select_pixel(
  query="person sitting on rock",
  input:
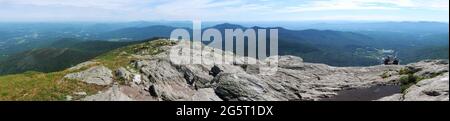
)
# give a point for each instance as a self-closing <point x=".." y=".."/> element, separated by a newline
<point x="386" y="61"/>
<point x="396" y="62"/>
<point x="390" y="60"/>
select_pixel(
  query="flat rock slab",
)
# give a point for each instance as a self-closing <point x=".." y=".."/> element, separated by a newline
<point x="112" y="94"/>
<point x="99" y="75"/>
<point x="81" y="65"/>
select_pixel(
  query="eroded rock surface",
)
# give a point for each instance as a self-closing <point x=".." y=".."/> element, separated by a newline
<point x="165" y="77"/>
<point x="99" y="75"/>
<point x="112" y="94"/>
<point x="434" y="87"/>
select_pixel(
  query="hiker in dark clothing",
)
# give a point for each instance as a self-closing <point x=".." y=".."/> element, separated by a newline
<point x="386" y="61"/>
<point x="389" y="60"/>
<point x="396" y="62"/>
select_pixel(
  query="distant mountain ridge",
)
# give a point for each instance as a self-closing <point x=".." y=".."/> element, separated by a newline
<point x="56" y="56"/>
<point x="138" y="33"/>
<point x="337" y="48"/>
<point x="416" y="27"/>
<point x="320" y="46"/>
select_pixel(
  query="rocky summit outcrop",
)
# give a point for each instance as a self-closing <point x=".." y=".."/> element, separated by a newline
<point x="428" y="68"/>
<point x="433" y="87"/>
<point x="161" y="77"/>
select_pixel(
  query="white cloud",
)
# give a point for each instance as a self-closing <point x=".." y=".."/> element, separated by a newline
<point x="228" y="10"/>
<point x="75" y="10"/>
<point x="103" y="4"/>
<point x="329" y="5"/>
<point x="334" y="5"/>
<point x="436" y="4"/>
<point x="194" y="9"/>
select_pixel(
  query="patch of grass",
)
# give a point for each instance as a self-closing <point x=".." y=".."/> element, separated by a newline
<point x="405" y="71"/>
<point x="121" y="81"/>
<point x="435" y="75"/>
<point x="408" y="81"/>
<point x="36" y="86"/>
<point x="385" y="75"/>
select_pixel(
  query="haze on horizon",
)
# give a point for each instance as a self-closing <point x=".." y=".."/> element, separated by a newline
<point x="223" y="10"/>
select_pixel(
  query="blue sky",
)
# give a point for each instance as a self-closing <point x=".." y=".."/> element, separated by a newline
<point x="224" y="10"/>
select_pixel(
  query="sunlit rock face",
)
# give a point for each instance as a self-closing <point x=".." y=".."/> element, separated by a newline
<point x="162" y="77"/>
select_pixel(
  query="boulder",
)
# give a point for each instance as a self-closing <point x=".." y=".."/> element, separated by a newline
<point x="166" y="81"/>
<point x="137" y="79"/>
<point x="124" y="74"/>
<point x="239" y="87"/>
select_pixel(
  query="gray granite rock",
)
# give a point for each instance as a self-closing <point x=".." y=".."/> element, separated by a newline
<point x="99" y="75"/>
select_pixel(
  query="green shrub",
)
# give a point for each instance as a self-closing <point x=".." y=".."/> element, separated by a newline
<point x="408" y="81"/>
<point x="385" y="75"/>
<point x="405" y="71"/>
